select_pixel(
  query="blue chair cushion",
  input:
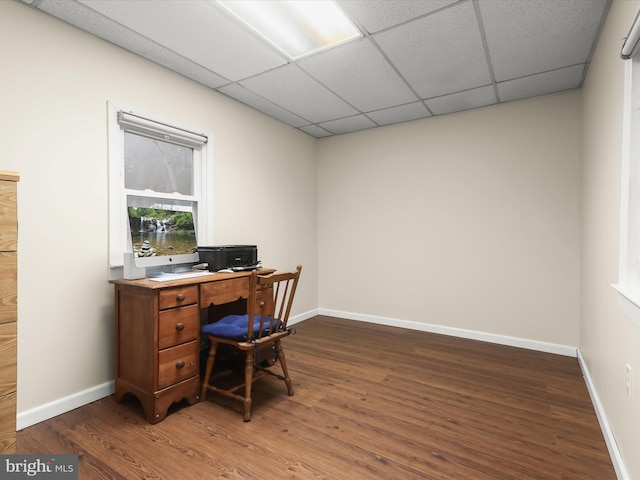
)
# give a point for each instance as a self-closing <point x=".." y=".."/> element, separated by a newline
<point x="234" y="327"/>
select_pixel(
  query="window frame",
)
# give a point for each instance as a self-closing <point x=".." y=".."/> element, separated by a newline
<point x="154" y="127"/>
<point x="628" y="285"/>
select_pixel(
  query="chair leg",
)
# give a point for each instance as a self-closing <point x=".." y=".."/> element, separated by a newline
<point x="248" y="381"/>
<point x="207" y="373"/>
<point x="283" y="364"/>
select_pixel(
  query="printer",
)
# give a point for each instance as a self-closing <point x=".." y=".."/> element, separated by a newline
<point x="234" y="257"/>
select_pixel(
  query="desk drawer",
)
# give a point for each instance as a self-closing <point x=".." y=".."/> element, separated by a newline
<point x="8" y="423"/>
<point x="8" y="286"/>
<point x="178" y="325"/>
<point x="177" y="297"/>
<point x="177" y="363"/>
<point x="227" y="291"/>
<point x="8" y="356"/>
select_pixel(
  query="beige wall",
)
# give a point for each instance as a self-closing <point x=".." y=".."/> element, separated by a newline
<point x="54" y="88"/>
<point x="469" y="221"/>
<point x="608" y="339"/>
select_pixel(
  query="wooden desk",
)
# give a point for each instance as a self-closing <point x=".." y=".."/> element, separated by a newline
<point x="157" y="342"/>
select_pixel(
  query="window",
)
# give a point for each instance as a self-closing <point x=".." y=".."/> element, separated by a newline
<point x="150" y="161"/>
<point x="629" y="263"/>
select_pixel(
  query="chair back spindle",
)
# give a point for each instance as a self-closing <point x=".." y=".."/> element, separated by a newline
<point x="270" y="300"/>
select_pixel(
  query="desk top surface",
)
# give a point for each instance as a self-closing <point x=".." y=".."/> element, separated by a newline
<point x="211" y="277"/>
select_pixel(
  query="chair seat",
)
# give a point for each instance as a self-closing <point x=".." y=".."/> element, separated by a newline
<point x="234" y="327"/>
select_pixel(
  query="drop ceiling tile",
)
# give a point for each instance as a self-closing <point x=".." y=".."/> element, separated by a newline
<point x="531" y="36"/>
<point x="436" y="46"/>
<point x="247" y="97"/>
<point x="315" y="131"/>
<point x="359" y="74"/>
<point x="89" y="20"/>
<point x="376" y="15"/>
<point x="226" y="49"/>
<point x="439" y="54"/>
<point x="349" y="124"/>
<point x="181" y="65"/>
<point x="295" y="91"/>
<point x="541" y="84"/>
<point x="457" y="102"/>
<point x="401" y="113"/>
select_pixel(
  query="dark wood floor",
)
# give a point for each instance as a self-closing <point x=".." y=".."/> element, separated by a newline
<point x="371" y="402"/>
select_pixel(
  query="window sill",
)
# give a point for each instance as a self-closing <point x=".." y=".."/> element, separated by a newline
<point x="629" y="302"/>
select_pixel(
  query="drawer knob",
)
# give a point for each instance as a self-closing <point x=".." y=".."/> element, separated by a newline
<point x="180" y="364"/>
<point x="180" y="326"/>
<point x="180" y="297"/>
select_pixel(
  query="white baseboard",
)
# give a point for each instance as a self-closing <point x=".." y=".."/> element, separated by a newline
<point x="565" y="350"/>
<point x="63" y="405"/>
<point x="609" y="438"/>
<point x="303" y="316"/>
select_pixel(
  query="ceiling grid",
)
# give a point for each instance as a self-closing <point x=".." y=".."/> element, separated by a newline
<point x="416" y="58"/>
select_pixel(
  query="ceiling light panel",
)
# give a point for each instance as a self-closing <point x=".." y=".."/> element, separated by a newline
<point x="296" y="27"/>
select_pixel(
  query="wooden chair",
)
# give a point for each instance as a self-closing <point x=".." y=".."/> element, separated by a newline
<point x="257" y="334"/>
